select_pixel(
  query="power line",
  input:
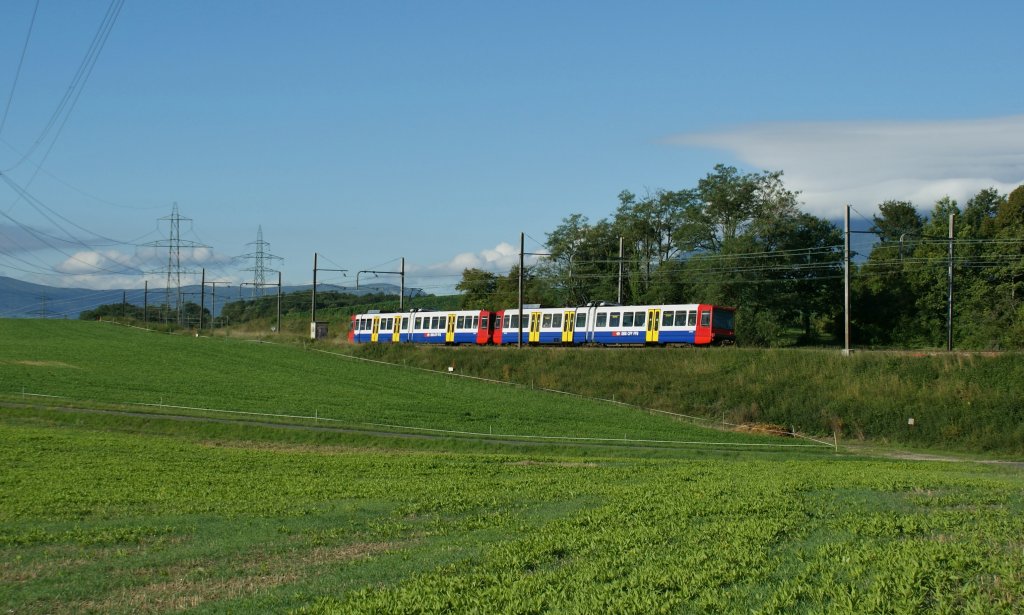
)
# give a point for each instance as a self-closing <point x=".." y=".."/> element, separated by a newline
<point x="21" y="62"/>
<point x="74" y="91"/>
<point x="46" y="211"/>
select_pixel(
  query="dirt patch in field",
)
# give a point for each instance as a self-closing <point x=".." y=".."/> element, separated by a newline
<point x="766" y="429"/>
<point x="190" y="585"/>
<point x="560" y="464"/>
<point x="285" y="447"/>
<point x="44" y="364"/>
<point x="277" y="447"/>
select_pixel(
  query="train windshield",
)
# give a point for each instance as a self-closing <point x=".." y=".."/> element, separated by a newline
<point x="723" y="319"/>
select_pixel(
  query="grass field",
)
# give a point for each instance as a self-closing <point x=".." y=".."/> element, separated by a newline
<point x="131" y="513"/>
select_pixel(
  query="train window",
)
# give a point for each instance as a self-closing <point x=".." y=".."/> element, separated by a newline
<point x="461" y="322"/>
<point x="405" y="323"/>
<point x="547" y="321"/>
<point x="504" y="321"/>
<point x="581" y="321"/>
<point x="483" y="322"/>
<point x="419" y="323"/>
<point x="681" y="318"/>
<point x="433" y="322"/>
<point x="515" y="321"/>
<point x="602" y="319"/>
<point x="641" y="318"/>
<point x="705" y="319"/>
<point x="627" y="319"/>
<point x="722" y="319"/>
<point x="667" y="318"/>
<point x="692" y="320"/>
<point x="556" y="321"/>
<point x="614" y="319"/>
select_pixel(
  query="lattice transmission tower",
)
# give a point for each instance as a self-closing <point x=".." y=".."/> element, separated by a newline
<point x="174" y="243"/>
<point x="260" y="256"/>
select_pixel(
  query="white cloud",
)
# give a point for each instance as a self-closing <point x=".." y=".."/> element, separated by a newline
<point x="866" y="163"/>
<point x="498" y="259"/>
<point x="107" y="269"/>
<point x="441" y="278"/>
<point x="93" y="262"/>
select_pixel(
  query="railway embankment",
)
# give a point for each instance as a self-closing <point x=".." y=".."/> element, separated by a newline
<point x="961" y="402"/>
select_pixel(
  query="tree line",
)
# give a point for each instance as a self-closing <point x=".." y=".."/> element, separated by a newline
<point x="741" y="239"/>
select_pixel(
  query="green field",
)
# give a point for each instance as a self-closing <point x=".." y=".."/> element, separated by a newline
<point x="155" y="511"/>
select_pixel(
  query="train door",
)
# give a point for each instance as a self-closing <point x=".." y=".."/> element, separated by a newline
<point x="702" y="335"/>
<point x="375" y="330"/>
<point x="653" y="324"/>
<point x="449" y="334"/>
<point x="568" y="327"/>
<point x="396" y="332"/>
<point x="535" y="328"/>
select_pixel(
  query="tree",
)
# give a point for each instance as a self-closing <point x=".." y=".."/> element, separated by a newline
<point x="896" y="219"/>
<point x="478" y="288"/>
<point x="583" y="265"/>
<point x="750" y="246"/>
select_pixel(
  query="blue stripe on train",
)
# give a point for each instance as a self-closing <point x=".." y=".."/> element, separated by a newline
<point x="676" y="337"/>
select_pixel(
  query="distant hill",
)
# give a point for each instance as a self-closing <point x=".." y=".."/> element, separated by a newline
<point x="20" y="299"/>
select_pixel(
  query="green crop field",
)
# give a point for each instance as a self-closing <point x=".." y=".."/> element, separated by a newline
<point x="158" y="509"/>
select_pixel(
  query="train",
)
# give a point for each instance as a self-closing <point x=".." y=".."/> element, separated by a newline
<point x="597" y="324"/>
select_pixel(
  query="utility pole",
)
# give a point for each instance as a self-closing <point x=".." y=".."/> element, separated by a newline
<point x="278" y="302"/>
<point x="949" y="298"/>
<point x="213" y="298"/>
<point x="522" y="266"/>
<point x="145" y="302"/>
<point x="522" y="247"/>
<point x="620" y="271"/>
<point x="846" y="279"/>
<point x="312" y="316"/>
<point x="312" y="324"/>
<point x="202" y="298"/>
<point x="401" y="296"/>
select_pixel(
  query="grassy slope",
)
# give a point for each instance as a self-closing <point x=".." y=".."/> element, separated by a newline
<point x="88" y="362"/>
<point x="958" y="402"/>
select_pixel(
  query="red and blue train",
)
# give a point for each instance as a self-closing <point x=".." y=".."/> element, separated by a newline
<point x="695" y="324"/>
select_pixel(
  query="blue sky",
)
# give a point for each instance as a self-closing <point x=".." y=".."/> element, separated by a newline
<point x="439" y="131"/>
